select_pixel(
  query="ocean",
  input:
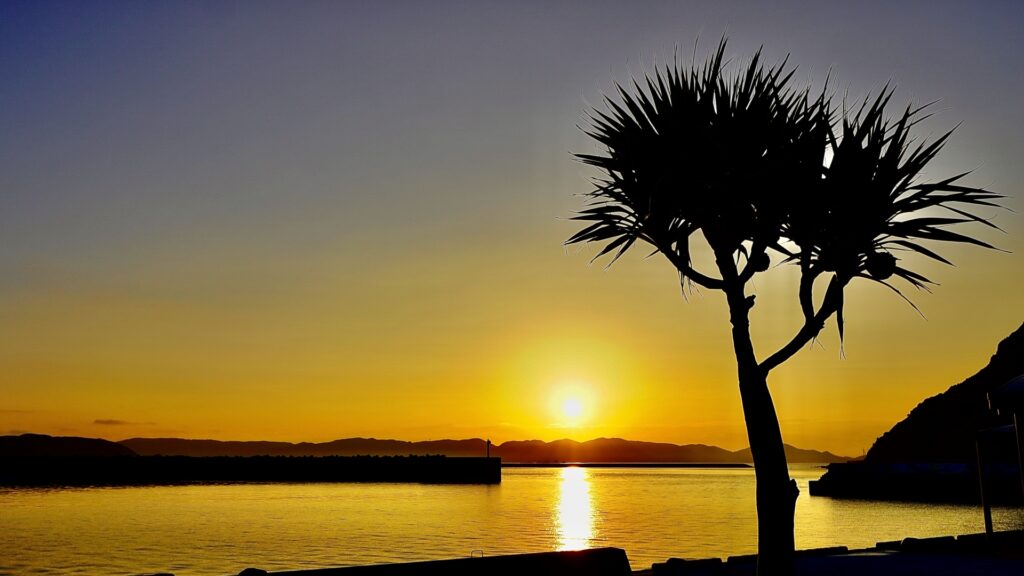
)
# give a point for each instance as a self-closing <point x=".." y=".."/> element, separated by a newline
<point x="220" y="529"/>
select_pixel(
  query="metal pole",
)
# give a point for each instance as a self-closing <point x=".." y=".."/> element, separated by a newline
<point x="985" y="508"/>
<point x="1020" y="449"/>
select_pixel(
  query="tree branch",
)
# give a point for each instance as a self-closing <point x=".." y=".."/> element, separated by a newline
<point x="687" y="271"/>
<point x="806" y="294"/>
<point x="811" y="328"/>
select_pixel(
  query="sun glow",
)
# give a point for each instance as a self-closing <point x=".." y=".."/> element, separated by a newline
<point x="572" y="405"/>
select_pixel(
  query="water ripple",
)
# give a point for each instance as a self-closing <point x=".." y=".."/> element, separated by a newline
<point x="219" y="529"/>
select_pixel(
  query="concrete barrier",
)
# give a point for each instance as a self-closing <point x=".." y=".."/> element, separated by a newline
<point x="593" y="562"/>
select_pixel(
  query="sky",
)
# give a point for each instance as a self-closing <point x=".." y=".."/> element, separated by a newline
<point x="312" y="220"/>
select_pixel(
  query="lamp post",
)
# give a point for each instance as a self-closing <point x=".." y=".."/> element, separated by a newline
<point x="1010" y="398"/>
<point x="1007" y="398"/>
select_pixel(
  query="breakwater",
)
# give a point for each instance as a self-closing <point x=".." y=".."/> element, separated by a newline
<point x="154" y="470"/>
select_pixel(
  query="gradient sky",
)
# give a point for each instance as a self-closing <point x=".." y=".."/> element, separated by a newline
<point x="306" y="221"/>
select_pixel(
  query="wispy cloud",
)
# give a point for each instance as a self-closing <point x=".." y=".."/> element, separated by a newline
<point x="115" y="422"/>
<point x="6" y="411"/>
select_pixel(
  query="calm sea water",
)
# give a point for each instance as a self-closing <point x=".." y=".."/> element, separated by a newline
<point x="220" y="529"/>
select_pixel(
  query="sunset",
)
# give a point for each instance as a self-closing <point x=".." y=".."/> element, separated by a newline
<point x="307" y="222"/>
<point x="329" y="255"/>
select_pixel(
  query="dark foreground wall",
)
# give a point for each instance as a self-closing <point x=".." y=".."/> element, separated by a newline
<point x="138" y="470"/>
<point x="593" y="562"/>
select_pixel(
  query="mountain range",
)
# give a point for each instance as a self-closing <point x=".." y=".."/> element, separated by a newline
<point x="600" y="450"/>
<point x="42" y="446"/>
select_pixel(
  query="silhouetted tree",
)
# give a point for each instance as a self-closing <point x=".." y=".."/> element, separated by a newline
<point x="741" y="159"/>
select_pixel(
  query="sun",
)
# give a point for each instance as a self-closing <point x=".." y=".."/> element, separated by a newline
<point x="572" y="405"/>
<point x="572" y="409"/>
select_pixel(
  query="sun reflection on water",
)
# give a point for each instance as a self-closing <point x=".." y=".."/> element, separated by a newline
<point x="574" y="520"/>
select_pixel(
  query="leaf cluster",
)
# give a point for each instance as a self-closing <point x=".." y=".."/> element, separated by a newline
<point x="742" y="159"/>
<point x="871" y="203"/>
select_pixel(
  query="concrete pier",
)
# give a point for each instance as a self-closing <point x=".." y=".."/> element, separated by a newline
<point x="149" y="470"/>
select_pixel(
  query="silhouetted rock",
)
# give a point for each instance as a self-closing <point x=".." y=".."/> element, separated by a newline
<point x="943" y="427"/>
<point x="930" y="455"/>
<point x="42" y="446"/>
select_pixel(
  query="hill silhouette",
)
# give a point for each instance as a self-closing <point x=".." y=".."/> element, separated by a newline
<point x="600" y="450"/>
<point x="608" y="450"/>
<point x="43" y="446"/>
<point x="343" y="447"/>
<point x="798" y="456"/>
<point x="931" y="454"/>
<point x="942" y="428"/>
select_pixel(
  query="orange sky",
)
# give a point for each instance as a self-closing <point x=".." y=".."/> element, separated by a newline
<point x="414" y="352"/>
<point x="361" y="236"/>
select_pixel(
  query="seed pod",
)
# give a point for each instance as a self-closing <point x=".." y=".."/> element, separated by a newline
<point x="881" y="265"/>
<point x="760" y="262"/>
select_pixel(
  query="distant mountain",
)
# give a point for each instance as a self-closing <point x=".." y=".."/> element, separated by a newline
<point x="609" y="450"/>
<point x="183" y="447"/>
<point x="42" y="446"/>
<point x="798" y="456"/>
<point x="345" y="447"/>
<point x="598" y="450"/>
<point x="943" y="427"/>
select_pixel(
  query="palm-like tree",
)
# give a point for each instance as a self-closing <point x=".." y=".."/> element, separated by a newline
<point x="741" y="159"/>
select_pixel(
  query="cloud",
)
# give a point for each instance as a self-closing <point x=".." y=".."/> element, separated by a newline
<point x="16" y="432"/>
<point x="5" y="411"/>
<point x="114" y="422"/>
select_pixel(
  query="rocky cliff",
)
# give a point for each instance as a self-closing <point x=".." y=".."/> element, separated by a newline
<point x="943" y="428"/>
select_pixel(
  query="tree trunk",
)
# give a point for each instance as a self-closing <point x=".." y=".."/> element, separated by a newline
<point x="776" y="492"/>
